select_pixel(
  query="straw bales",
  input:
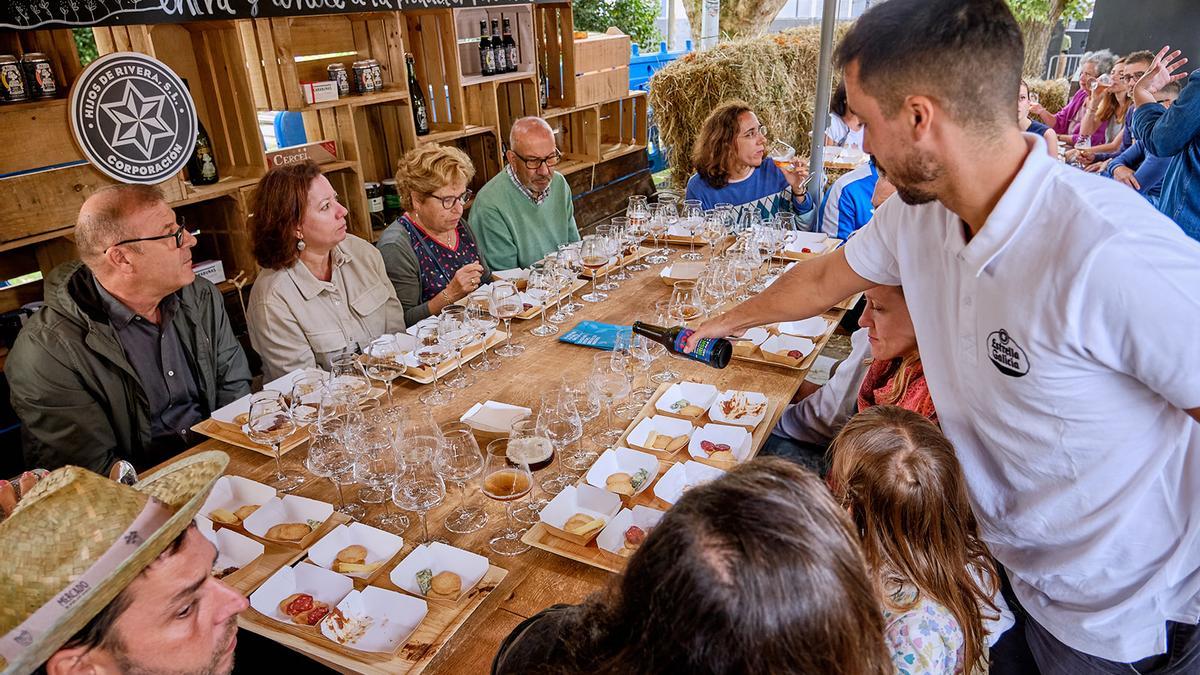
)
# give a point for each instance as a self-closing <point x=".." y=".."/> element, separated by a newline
<point x="776" y="74"/>
<point x="1052" y="94"/>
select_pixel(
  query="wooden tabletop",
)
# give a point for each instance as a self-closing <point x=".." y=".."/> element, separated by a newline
<point x="536" y="579"/>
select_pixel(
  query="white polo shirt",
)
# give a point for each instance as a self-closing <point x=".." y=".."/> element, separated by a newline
<point x="1062" y="346"/>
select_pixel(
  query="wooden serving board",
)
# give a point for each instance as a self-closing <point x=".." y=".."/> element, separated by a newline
<point x="642" y="252"/>
<point x="424" y="375"/>
<point x="231" y="434"/>
<point x="439" y="625"/>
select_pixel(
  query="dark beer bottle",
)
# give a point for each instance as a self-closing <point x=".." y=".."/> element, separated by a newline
<point x="715" y="352"/>
<point x="487" y="58"/>
<point x="417" y="98"/>
<point x="510" y="48"/>
<point x="499" y="52"/>
<point x="201" y="168"/>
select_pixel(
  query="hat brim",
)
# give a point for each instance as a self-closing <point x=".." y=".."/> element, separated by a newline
<point x="182" y="486"/>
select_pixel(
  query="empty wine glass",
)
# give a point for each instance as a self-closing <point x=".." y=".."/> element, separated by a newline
<point x="713" y="231"/>
<point x="559" y="421"/>
<point x="506" y="303"/>
<point x="568" y="256"/>
<point x="611" y="245"/>
<point x="384" y="361"/>
<point x="506" y="479"/>
<point x="270" y="423"/>
<point x="419" y="487"/>
<point x="306" y="396"/>
<point x="479" y="309"/>
<point x="610" y="387"/>
<point x="431" y="352"/>
<point x="329" y="457"/>
<point x="543" y="285"/>
<point x="657" y="226"/>
<point x="456" y="332"/>
<point x="347" y="369"/>
<point x="377" y="468"/>
<point x="461" y="463"/>
<point x="618" y="232"/>
<point x="593" y="254"/>
<point x="635" y="235"/>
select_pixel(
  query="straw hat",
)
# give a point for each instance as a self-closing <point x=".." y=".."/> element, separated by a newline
<point x="77" y="540"/>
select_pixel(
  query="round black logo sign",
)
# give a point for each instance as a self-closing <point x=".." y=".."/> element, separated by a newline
<point x="1008" y="356"/>
<point x="133" y="118"/>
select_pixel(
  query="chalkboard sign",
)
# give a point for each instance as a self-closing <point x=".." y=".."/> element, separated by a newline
<point x="75" y="13"/>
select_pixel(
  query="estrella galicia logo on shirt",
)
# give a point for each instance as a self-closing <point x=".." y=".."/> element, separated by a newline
<point x="133" y="118"/>
<point x="1006" y="354"/>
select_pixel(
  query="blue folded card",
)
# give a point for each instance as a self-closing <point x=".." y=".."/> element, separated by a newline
<point x="595" y="334"/>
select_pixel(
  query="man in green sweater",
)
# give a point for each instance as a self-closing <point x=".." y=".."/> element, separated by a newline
<point x="525" y="211"/>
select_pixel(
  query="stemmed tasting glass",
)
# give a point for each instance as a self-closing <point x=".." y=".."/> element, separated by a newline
<point x="593" y="254"/>
<point x="639" y="349"/>
<point x="568" y="257"/>
<point x="535" y="450"/>
<point x="638" y="213"/>
<point x="507" y="303"/>
<point x="782" y="154"/>
<point x="657" y="227"/>
<point x="329" y="457"/>
<point x="479" y="309"/>
<point x="270" y="423"/>
<point x="611" y="245"/>
<point x="431" y="352"/>
<point x="713" y="231"/>
<point x="623" y="361"/>
<point x="564" y="277"/>
<point x="610" y="387"/>
<point x="656" y="353"/>
<point x="742" y="267"/>
<point x="348" y="369"/>
<point x="543" y="285"/>
<point x="668" y="206"/>
<point x="559" y="421"/>
<point x="384" y="361"/>
<point x="456" y="332"/>
<point x="419" y="487"/>
<point x="306" y="396"/>
<point x="377" y="467"/>
<point x="582" y="401"/>
<point x="619" y="234"/>
<point x="684" y="303"/>
<point x="506" y="479"/>
<point x="635" y="234"/>
<point x="462" y="462"/>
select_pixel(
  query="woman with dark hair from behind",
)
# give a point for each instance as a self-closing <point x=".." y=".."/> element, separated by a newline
<point x="755" y="572"/>
<point x="900" y="480"/>
<point x="845" y="130"/>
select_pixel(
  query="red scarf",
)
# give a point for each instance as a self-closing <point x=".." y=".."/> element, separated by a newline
<point x="881" y="378"/>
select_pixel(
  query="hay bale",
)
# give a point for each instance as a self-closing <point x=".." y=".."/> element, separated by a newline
<point x="776" y="74"/>
<point x="1052" y="94"/>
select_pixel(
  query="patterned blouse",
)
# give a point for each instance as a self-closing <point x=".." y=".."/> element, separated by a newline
<point x="436" y="261"/>
<point x="925" y="640"/>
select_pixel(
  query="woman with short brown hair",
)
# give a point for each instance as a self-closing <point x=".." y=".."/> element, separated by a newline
<point x="321" y="292"/>
<point x="430" y="252"/>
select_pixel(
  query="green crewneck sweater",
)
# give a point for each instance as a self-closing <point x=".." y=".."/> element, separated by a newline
<point x="512" y="231"/>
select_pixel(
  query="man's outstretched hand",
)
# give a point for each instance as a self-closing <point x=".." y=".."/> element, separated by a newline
<point x="719" y="327"/>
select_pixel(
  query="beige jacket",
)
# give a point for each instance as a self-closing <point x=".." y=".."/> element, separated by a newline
<point x="298" y="321"/>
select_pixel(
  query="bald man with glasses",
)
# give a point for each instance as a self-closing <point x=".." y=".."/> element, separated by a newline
<point x="525" y="211"/>
<point x="131" y="349"/>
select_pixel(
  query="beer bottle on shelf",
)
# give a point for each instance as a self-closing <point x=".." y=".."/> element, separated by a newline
<point x="487" y="58"/>
<point x="543" y="87"/>
<point x="510" y="48"/>
<point x="499" y="52"/>
<point x="201" y="168"/>
<point x="417" y="98"/>
<point x="715" y="352"/>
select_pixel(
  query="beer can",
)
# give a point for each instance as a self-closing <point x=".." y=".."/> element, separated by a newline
<point x="376" y="74"/>
<point x="39" y="77"/>
<point x="337" y="73"/>
<point x="364" y="79"/>
<point x="12" y="80"/>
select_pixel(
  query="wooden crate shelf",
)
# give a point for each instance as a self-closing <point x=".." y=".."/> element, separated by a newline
<point x="466" y="25"/>
<point x="623" y="126"/>
<point x="578" y="135"/>
<point x="430" y="37"/>
<point x="580" y="72"/>
<point x="283" y="52"/>
<point x="497" y="104"/>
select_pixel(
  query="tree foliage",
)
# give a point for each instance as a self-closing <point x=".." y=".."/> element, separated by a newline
<point x="739" y="18"/>
<point x="634" y="17"/>
<point x="85" y="44"/>
<point x="1037" y="19"/>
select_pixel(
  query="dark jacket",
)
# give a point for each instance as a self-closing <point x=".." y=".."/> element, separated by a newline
<point x="77" y="395"/>
<point x="1175" y="133"/>
<point x="400" y="260"/>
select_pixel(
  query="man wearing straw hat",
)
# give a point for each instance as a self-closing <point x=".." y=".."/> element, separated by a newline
<point x="102" y="577"/>
<point x="131" y="349"/>
<point x="1038" y="293"/>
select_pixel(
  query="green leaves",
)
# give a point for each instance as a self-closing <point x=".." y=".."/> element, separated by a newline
<point x="634" y="17"/>
<point x="1049" y="10"/>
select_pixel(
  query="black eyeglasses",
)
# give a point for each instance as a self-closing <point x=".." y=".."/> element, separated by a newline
<point x="535" y="162"/>
<point x="177" y="235"/>
<point x="449" y="202"/>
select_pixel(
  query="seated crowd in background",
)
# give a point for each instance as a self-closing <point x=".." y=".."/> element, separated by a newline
<point x="1066" y="122"/>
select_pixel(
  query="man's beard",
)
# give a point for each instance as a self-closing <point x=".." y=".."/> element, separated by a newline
<point x="129" y="667"/>
<point x="912" y="175"/>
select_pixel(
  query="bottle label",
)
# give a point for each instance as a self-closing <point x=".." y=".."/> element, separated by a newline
<point x="375" y="204"/>
<point x="704" y="348"/>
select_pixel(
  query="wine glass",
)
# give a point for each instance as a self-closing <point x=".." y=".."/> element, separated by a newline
<point x="684" y="302"/>
<point x="610" y="387"/>
<point x="479" y="309"/>
<point x="782" y="154"/>
<point x="306" y="394"/>
<point x="638" y="212"/>
<point x="668" y="206"/>
<point x="639" y="349"/>
<point x="419" y="487"/>
<point x="635" y="234"/>
<point x="564" y="276"/>
<point x="456" y="332"/>
<point x="270" y="423"/>
<point x="543" y="285"/>
<point x="1034" y="99"/>
<point x="329" y="457"/>
<point x="536" y="451"/>
<point x="713" y="231"/>
<point x="377" y="468"/>
<point x="568" y="256"/>
<point x="559" y="421"/>
<point x="663" y="316"/>
<point x="593" y="254"/>
<point x="610" y="247"/>
<point x="462" y="462"/>
<point x="431" y="352"/>
<point x="384" y="361"/>
<point x="348" y="369"/>
<point x="657" y="227"/>
<point x="506" y="479"/>
<point x="692" y="223"/>
<point x="619" y="232"/>
<point x="576" y="394"/>
<point x="506" y="303"/>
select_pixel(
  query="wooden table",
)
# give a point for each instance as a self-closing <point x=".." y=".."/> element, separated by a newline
<point x="536" y="579"/>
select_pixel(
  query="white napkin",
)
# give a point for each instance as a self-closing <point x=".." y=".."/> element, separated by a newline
<point x="494" y="416"/>
<point x="683" y="270"/>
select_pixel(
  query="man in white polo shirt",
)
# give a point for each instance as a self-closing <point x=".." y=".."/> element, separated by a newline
<point x="1057" y="317"/>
